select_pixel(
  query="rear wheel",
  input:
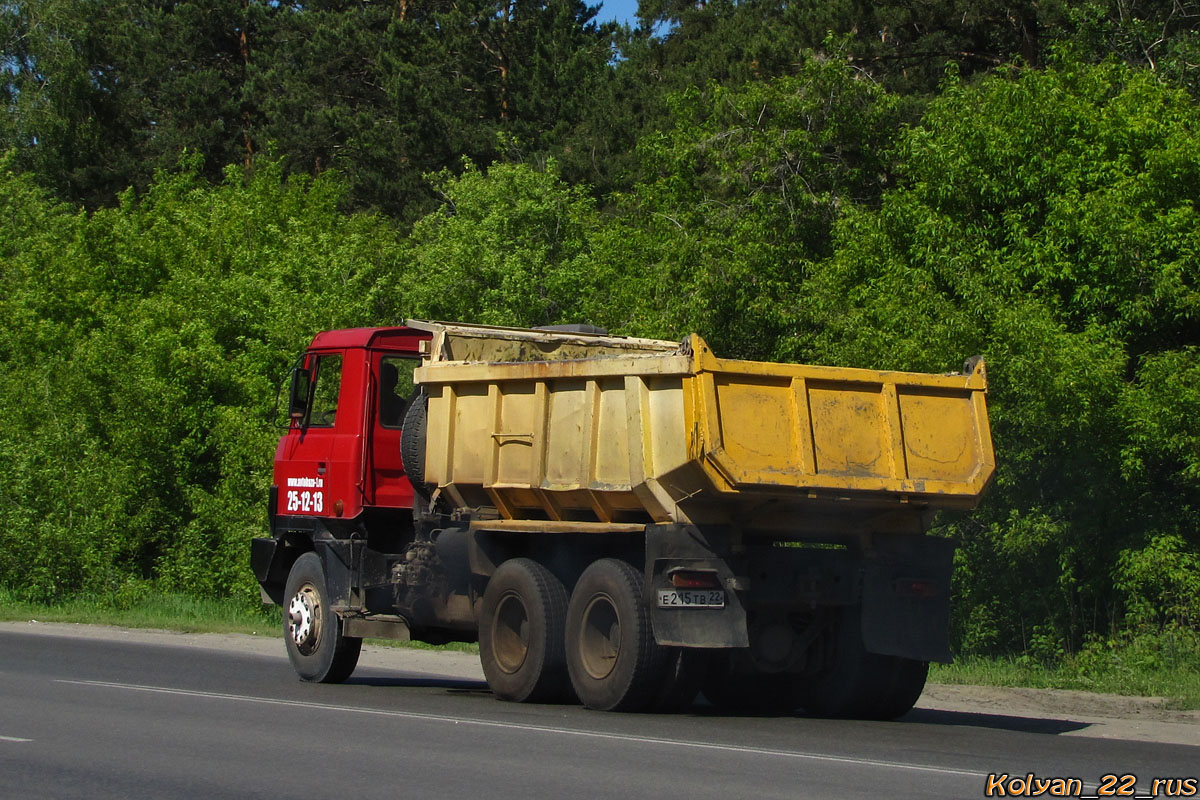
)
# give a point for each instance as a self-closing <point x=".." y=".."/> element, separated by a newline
<point x="613" y="659"/>
<point x="862" y="685"/>
<point x="683" y="677"/>
<point x="313" y="632"/>
<point x="749" y="692"/>
<point x="521" y="633"/>
<point x="905" y="687"/>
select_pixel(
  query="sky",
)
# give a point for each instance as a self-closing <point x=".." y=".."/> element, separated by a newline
<point x="620" y="10"/>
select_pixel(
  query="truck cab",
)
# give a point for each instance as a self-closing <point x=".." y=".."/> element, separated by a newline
<point x="341" y="499"/>
<point x="341" y="454"/>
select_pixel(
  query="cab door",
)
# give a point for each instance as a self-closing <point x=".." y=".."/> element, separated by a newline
<point x="318" y="462"/>
<point x="392" y="375"/>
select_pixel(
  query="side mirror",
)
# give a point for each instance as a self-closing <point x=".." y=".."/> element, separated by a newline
<point x="298" y="394"/>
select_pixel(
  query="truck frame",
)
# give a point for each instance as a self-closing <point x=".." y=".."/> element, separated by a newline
<point x="618" y="521"/>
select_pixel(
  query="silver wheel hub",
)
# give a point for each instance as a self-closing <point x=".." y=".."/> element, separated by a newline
<point x="303" y="619"/>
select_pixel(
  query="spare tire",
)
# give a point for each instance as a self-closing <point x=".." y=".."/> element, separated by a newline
<point x="412" y="442"/>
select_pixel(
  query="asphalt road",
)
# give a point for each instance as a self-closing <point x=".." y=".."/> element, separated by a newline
<point x="95" y="718"/>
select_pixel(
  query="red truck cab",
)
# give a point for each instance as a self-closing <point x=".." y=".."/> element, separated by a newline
<point x="341" y="453"/>
<point x="339" y="482"/>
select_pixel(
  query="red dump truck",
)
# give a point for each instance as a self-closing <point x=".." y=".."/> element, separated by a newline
<point x="623" y="522"/>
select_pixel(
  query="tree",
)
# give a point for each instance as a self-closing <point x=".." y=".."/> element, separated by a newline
<point x="142" y="349"/>
<point x="101" y="95"/>
<point x="512" y="246"/>
<point x="739" y="197"/>
<point x="1047" y="221"/>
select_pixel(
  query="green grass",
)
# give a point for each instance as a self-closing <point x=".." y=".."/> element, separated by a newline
<point x="175" y="612"/>
<point x="172" y="612"/>
<point x="1181" y="689"/>
<point x="1160" y="664"/>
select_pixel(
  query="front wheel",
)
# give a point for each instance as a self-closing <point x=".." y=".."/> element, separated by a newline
<point x="612" y="656"/>
<point x="313" y="633"/>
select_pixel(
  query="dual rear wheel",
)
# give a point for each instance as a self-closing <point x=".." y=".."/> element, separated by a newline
<point x="521" y="643"/>
<point x="535" y="644"/>
<point x="538" y="643"/>
<point x="614" y="662"/>
<point x="852" y="683"/>
<point x="861" y="685"/>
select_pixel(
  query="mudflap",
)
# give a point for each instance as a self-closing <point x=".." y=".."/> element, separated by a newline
<point x="270" y="567"/>
<point x="670" y="546"/>
<point x="339" y="559"/>
<point x="906" y="597"/>
<point x="262" y="559"/>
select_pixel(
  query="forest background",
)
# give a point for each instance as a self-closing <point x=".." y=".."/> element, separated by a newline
<point x="190" y="190"/>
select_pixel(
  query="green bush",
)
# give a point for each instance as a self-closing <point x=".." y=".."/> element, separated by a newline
<point x="136" y="391"/>
<point x="1046" y="219"/>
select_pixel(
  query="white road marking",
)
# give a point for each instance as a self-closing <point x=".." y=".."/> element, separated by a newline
<point x="486" y="723"/>
<point x="14" y="739"/>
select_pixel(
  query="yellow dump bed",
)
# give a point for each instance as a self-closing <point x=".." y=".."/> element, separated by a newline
<point x="594" y="429"/>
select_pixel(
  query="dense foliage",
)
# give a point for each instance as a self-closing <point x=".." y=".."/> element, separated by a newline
<point x="191" y="190"/>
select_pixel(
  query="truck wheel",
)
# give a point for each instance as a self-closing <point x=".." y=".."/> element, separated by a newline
<point x="412" y="442"/>
<point x="613" y="659"/>
<point x="767" y="695"/>
<point x="313" y="633"/>
<point x="683" y="677"/>
<point x="905" y="688"/>
<point x="862" y="685"/>
<point x="849" y="685"/>
<point x="521" y="633"/>
<point x="749" y="693"/>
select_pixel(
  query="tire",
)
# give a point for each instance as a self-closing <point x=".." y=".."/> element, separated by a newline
<point x="907" y="684"/>
<point x="522" y="627"/>
<point x="683" y="676"/>
<point x="412" y="442"/>
<point x="312" y="631"/>
<point x="613" y="659"/>
<point x="754" y="693"/>
<point x="857" y="684"/>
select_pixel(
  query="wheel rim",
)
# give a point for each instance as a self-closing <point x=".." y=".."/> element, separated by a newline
<point x="304" y="619"/>
<point x="600" y="641"/>
<point x="510" y="633"/>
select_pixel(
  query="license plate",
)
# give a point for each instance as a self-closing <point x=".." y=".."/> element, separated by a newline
<point x="691" y="598"/>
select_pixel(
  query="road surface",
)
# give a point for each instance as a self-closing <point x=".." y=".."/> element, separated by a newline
<point x="118" y="714"/>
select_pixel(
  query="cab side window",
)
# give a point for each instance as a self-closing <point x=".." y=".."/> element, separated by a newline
<point x="395" y="387"/>
<point x="327" y="383"/>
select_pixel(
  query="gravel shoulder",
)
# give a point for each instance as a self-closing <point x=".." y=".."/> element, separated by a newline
<point x="1067" y="713"/>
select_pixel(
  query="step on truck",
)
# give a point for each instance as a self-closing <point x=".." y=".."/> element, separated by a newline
<point x="622" y="522"/>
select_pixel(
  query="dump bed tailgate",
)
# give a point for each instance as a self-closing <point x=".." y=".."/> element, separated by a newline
<point x="828" y="429"/>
